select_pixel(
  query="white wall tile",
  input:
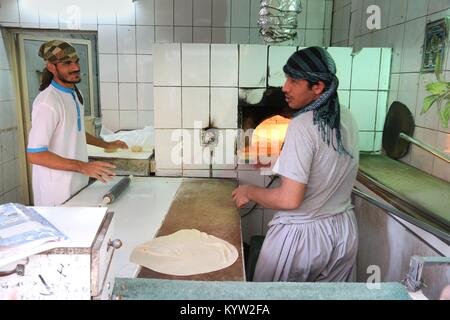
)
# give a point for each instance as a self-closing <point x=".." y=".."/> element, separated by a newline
<point x="202" y="34"/>
<point x="224" y="65"/>
<point x="202" y="13"/>
<point x="437" y="5"/>
<point x="344" y="98"/>
<point x="183" y="35"/>
<point x="195" y="157"/>
<point x="195" y="64"/>
<point x="167" y="107"/>
<point x="397" y="12"/>
<point x="240" y="13"/>
<point x="183" y="12"/>
<point x="196" y="173"/>
<point x="316" y="14"/>
<point x="221" y="13"/>
<point x="126" y="39"/>
<point x="221" y="35"/>
<point x="363" y="106"/>
<point x="225" y="174"/>
<point x="252" y="65"/>
<point x="366" y="69"/>
<point x="240" y="35"/>
<point x="416" y="8"/>
<point x="278" y="56"/>
<point x="224" y="154"/>
<point x="412" y="45"/>
<point x="48" y="15"/>
<point x="127" y="68"/>
<point x="395" y="37"/>
<point x="224" y="103"/>
<point x="106" y="13"/>
<point x="145" y="96"/>
<point x="146" y="118"/>
<point x="255" y="37"/>
<point x="127" y="96"/>
<point x="145" y="12"/>
<point x="128" y="120"/>
<point x="343" y="60"/>
<point x="255" y="6"/>
<point x="167" y="70"/>
<point x="125" y="13"/>
<point x="164" y="12"/>
<point x="110" y="119"/>
<point x="109" y="95"/>
<point x="144" y="68"/>
<point x="107" y="39"/>
<point x="195" y="107"/>
<point x="108" y="67"/>
<point x="163" y="34"/>
<point x="145" y="37"/>
<point x="169" y="173"/>
<point x="29" y="12"/>
<point x="407" y="90"/>
<point x="168" y="149"/>
<point x="314" y="37"/>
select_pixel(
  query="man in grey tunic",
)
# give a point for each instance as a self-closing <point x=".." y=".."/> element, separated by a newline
<point x="313" y="236"/>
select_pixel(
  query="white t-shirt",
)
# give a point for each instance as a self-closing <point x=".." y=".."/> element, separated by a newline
<point x="57" y="126"/>
<point x="329" y="176"/>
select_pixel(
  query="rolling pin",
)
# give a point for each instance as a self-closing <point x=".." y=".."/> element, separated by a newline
<point x="115" y="191"/>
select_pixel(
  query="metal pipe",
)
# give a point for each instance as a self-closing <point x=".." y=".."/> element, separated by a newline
<point x="426" y="147"/>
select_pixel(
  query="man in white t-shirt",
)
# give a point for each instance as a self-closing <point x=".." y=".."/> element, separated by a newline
<point x="57" y="140"/>
<point x="313" y="236"/>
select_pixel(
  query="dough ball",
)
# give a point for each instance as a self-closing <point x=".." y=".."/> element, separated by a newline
<point x="136" y="148"/>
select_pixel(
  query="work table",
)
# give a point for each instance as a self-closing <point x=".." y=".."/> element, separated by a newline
<point x="155" y="206"/>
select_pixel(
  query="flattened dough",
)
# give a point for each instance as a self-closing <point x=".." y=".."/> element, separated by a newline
<point x="184" y="253"/>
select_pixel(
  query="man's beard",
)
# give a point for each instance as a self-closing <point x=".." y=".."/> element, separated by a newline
<point x="63" y="79"/>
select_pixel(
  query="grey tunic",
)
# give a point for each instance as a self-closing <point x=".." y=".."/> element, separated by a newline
<point x="318" y="240"/>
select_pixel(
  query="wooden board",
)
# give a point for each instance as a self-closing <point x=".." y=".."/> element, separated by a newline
<point x="205" y="205"/>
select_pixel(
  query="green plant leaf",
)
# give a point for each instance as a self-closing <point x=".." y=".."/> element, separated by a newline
<point x="438" y="87"/>
<point x="444" y="115"/>
<point x="428" y="102"/>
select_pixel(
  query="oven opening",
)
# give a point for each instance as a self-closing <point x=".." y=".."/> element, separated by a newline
<point x="263" y="119"/>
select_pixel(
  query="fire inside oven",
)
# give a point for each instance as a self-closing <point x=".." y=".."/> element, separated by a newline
<point x="263" y="119"/>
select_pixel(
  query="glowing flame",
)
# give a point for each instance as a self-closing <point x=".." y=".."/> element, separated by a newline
<point x="266" y="141"/>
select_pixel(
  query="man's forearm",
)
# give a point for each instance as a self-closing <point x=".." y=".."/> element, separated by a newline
<point x="269" y="198"/>
<point x="90" y="139"/>
<point x="53" y="161"/>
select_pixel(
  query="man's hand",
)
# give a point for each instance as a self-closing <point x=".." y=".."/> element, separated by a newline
<point x="117" y="144"/>
<point x="98" y="169"/>
<point x="240" y="196"/>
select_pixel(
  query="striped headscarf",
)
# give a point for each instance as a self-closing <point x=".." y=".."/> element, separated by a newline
<point x="315" y="64"/>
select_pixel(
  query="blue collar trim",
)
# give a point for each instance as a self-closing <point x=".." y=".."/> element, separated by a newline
<point x="60" y="87"/>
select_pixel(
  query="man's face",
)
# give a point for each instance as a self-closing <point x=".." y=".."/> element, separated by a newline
<point x="68" y="71"/>
<point x="298" y="94"/>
